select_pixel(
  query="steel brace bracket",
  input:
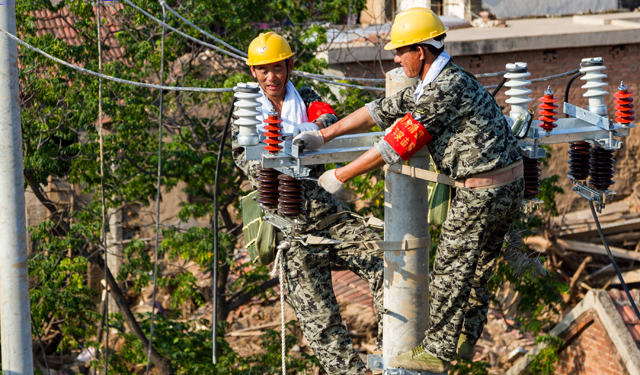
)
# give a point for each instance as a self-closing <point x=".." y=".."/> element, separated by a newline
<point x="379" y="365"/>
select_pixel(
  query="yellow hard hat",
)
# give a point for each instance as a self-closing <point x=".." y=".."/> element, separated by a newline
<point x="268" y="48"/>
<point x="413" y="26"/>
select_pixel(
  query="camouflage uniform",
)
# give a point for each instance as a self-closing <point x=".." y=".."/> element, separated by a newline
<point x="470" y="136"/>
<point x="308" y="268"/>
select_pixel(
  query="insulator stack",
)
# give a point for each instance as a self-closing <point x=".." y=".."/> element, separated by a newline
<point x="531" y="177"/>
<point x="247" y="105"/>
<point x="624" y="111"/>
<point x="518" y="91"/>
<point x="268" y="193"/>
<point x="273" y="133"/>
<point x="592" y="69"/>
<point x="548" y="112"/>
<point x="601" y="168"/>
<point x="579" y="160"/>
<point x="291" y="201"/>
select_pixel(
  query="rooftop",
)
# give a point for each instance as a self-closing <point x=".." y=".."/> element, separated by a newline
<point x="519" y="35"/>
<point x="622" y="304"/>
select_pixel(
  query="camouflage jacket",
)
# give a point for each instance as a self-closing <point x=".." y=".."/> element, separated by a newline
<point x="318" y="202"/>
<point x="470" y="133"/>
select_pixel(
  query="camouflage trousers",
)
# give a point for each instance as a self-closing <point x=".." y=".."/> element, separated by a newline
<point x="310" y="291"/>
<point x="470" y="242"/>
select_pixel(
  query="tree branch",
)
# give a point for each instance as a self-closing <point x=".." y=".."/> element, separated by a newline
<point x="246" y="297"/>
<point x="142" y="170"/>
<point x="163" y="364"/>
<point x="50" y="206"/>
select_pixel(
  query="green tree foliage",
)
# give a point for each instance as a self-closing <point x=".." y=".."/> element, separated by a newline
<point x="60" y="133"/>
<point x="544" y="362"/>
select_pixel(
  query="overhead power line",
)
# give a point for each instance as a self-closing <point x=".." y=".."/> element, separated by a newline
<point x="183" y="34"/>
<point x="241" y="53"/>
<point x="111" y="78"/>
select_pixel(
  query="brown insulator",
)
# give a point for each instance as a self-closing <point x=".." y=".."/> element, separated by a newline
<point x="291" y="201"/>
<point x="268" y="187"/>
<point x="601" y="168"/>
<point x="531" y="177"/>
<point x="579" y="160"/>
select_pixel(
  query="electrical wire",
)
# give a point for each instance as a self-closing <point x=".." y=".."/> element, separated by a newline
<point x="568" y="88"/>
<point x="157" y="237"/>
<point x="487" y="75"/>
<point x="165" y="5"/>
<point x="495" y="91"/>
<point x="214" y="273"/>
<point x="103" y="216"/>
<point x="613" y="261"/>
<point x="324" y="76"/>
<point x="543" y="79"/>
<point x="231" y="54"/>
<point x="349" y="85"/>
<point x="44" y="355"/>
<point x="561" y="75"/>
<point x="111" y="78"/>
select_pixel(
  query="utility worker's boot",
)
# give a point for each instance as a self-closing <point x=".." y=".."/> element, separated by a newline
<point x="466" y="351"/>
<point x="418" y="359"/>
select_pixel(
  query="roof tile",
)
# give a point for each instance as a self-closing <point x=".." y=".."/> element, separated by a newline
<point x="625" y="310"/>
<point x="350" y="287"/>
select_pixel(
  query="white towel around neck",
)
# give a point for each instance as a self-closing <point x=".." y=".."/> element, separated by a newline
<point x="435" y="69"/>
<point x="293" y="113"/>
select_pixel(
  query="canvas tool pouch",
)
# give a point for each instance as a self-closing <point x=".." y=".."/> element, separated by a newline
<point x="440" y="196"/>
<point x="259" y="235"/>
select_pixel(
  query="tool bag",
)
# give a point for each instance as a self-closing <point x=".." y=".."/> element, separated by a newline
<point x="259" y="234"/>
<point x="439" y="199"/>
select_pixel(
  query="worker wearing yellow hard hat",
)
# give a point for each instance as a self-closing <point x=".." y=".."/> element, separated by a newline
<point x="307" y="268"/>
<point x="469" y="140"/>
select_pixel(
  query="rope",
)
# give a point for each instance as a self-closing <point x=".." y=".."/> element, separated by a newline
<point x="165" y="5"/>
<point x="155" y="262"/>
<point x="110" y="78"/>
<point x="103" y="209"/>
<point x="279" y="265"/>
<point x="183" y="34"/>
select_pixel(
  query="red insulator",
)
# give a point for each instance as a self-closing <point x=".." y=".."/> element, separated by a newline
<point x="624" y="113"/>
<point x="601" y="168"/>
<point x="273" y="133"/>
<point x="531" y="177"/>
<point x="579" y="157"/>
<point x="548" y="111"/>
<point x="268" y="187"/>
<point x="291" y="200"/>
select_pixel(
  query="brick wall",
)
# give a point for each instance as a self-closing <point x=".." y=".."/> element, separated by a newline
<point x="589" y="350"/>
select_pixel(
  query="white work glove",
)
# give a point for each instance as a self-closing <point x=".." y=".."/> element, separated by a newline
<point x="329" y="182"/>
<point x="305" y="127"/>
<point x="310" y="141"/>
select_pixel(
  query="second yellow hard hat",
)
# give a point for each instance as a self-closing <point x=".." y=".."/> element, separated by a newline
<point x="413" y="26"/>
<point x="268" y="48"/>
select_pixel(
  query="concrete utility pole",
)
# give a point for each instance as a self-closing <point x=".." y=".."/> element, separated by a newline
<point x="15" y="314"/>
<point x="406" y="272"/>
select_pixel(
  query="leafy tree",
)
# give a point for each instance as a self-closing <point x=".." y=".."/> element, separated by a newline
<point x="61" y="143"/>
